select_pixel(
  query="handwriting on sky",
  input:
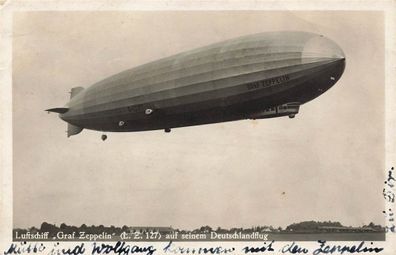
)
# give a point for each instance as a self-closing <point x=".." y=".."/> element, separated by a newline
<point x="389" y="196"/>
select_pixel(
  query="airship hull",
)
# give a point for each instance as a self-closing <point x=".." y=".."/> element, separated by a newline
<point x="232" y="80"/>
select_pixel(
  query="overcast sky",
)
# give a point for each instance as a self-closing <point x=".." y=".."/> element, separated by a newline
<point x="326" y="164"/>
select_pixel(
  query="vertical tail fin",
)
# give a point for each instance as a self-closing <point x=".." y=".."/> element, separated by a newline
<point x="73" y="130"/>
<point x="74" y="91"/>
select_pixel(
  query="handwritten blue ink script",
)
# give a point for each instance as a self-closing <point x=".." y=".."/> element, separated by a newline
<point x="125" y="248"/>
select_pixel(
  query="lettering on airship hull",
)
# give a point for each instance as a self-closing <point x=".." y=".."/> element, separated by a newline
<point x="268" y="83"/>
<point x="136" y="108"/>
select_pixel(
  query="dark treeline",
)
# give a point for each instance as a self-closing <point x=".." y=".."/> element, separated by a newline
<point x="306" y="226"/>
<point x="328" y="226"/>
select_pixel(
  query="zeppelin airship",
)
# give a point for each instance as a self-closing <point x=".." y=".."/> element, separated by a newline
<point x="257" y="76"/>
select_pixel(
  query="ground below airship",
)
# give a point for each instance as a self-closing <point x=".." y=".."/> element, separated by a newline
<point x="256" y="76"/>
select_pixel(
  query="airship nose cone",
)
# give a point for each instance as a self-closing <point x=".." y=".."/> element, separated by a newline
<point x="322" y="47"/>
<point x="326" y="54"/>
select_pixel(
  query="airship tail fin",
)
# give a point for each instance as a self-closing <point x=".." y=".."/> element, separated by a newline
<point x="58" y="110"/>
<point x="73" y="130"/>
<point x="74" y="91"/>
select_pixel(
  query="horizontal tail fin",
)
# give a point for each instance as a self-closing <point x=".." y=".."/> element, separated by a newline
<point x="58" y="110"/>
<point x="73" y="130"/>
